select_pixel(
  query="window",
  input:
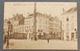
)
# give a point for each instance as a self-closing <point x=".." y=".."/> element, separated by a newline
<point x="27" y="26"/>
<point x="67" y="19"/>
<point x="38" y="30"/>
<point x="40" y="20"/>
<point x="30" y="30"/>
<point x="72" y="35"/>
<point x="40" y="26"/>
<point x="76" y="35"/>
<point x="75" y="29"/>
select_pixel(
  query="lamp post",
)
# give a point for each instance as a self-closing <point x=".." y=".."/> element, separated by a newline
<point x="61" y="30"/>
<point x="9" y="24"/>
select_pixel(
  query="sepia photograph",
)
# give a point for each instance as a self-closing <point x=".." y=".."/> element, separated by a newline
<point x="40" y="25"/>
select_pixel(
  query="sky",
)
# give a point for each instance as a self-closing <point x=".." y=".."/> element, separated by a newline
<point x="53" y="8"/>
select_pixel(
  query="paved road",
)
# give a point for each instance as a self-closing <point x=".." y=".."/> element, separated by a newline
<point x="42" y="44"/>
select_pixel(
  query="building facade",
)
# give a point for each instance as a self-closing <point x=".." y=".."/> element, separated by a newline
<point x="45" y="24"/>
<point x="55" y="27"/>
<point x="69" y="24"/>
<point x="42" y="24"/>
<point x="18" y="23"/>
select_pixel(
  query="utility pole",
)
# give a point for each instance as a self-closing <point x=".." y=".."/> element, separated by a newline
<point x="34" y="24"/>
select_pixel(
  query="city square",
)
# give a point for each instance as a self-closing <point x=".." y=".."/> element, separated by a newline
<point x="43" y="44"/>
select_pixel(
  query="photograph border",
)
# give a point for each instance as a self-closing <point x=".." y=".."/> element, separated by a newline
<point x="2" y="18"/>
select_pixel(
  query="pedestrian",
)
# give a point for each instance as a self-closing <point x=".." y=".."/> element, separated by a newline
<point x="48" y="40"/>
<point x="31" y="38"/>
<point x="5" y="39"/>
<point x="35" y="38"/>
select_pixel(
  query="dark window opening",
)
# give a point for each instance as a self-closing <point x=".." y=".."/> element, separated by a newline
<point x="75" y="29"/>
<point x="67" y="19"/>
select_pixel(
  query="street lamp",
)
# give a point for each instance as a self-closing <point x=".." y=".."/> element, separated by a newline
<point x="9" y="24"/>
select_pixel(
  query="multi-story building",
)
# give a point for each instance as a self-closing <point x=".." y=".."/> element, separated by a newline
<point x="28" y="22"/>
<point x="55" y="27"/>
<point x="18" y="23"/>
<point x="42" y="24"/>
<point x="69" y="24"/>
<point x="45" y="24"/>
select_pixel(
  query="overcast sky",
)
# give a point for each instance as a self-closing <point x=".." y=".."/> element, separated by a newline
<point x="53" y="8"/>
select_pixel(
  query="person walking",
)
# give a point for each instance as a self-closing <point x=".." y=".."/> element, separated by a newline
<point x="48" y="37"/>
<point x="48" y="40"/>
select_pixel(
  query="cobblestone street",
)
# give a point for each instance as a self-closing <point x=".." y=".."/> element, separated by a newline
<point x="42" y="44"/>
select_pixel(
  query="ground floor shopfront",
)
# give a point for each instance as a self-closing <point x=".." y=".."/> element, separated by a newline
<point x="70" y="36"/>
<point x="42" y="35"/>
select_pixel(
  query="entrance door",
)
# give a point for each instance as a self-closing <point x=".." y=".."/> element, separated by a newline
<point x="72" y="36"/>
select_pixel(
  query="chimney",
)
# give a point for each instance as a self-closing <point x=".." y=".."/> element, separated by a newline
<point x="28" y="13"/>
<point x="50" y="15"/>
<point x="63" y="10"/>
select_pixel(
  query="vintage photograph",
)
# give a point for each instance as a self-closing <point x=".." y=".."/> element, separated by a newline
<point x="40" y="25"/>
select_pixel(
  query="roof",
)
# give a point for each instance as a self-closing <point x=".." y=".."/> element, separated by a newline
<point x="18" y="17"/>
<point x="45" y="15"/>
<point x="75" y="9"/>
<point x="38" y="13"/>
<point x="70" y="10"/>
<point x="54" y="19"/>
